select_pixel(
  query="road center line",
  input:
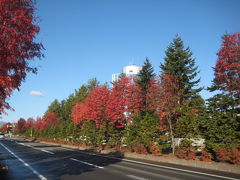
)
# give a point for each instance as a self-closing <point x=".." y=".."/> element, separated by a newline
<point x="26" y="164"/>
<point x="86" y="163"/>
<point x="47" y="151"/>
<point x="136" y="177"/>
<point x="36" y="148"/>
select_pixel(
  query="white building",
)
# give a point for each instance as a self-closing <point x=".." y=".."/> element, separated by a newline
<point x="131" y="70"/>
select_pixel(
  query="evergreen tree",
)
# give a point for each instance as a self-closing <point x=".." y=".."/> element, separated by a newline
<point x="92" y="84"/>
<point x="144" y="78"/>
<point x="55" y="107"/>
<point x="221" y="126"/>
<point x="143" y="130"/>
<point x="179" y="62"/>
<point x="192" y="113"/>
<point x="89" y="133"/>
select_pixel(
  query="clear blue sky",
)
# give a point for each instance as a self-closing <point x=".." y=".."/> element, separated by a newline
<point x="92" y="38"/>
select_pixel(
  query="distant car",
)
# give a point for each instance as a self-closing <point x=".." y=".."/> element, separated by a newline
<point x="2" y="136"/>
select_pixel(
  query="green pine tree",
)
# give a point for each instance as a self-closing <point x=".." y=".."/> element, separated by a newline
<point x="144" y="77"/>
<point x="179" y="62"/>
<point x="55" y="107"/>
<point x="191" y="114"/>
<point x="221" y="126"/>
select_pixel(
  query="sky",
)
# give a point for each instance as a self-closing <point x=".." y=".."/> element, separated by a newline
<point x="84" y="39"/>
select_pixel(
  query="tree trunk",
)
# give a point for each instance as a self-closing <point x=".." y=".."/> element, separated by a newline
<point x="171" y="134"/>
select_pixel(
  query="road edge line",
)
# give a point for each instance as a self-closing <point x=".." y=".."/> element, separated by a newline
<point x="161" y="166"/>
<point x="73" y="159"/>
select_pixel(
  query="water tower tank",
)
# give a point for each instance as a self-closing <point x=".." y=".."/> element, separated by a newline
<point x="132" y="69"/>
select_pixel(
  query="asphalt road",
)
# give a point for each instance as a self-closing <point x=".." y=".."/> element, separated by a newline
<point x="32" y="160"/>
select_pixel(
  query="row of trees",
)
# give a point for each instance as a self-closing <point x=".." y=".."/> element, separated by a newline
<point x="145" y="111"/>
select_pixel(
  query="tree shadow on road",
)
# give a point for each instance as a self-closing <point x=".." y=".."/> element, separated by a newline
<point x="58" y="165"/>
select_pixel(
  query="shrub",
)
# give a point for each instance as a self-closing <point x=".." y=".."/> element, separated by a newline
<point x="185" y="153"/>
<point x="181" y="153"/>
<point x="235" y="156"/>
<point x="205" y="156"/>
<point x="155" y="149"/>
<point x="140" y="148"/>
<point x="222" y="155"/>
<point x="190" y="155"/>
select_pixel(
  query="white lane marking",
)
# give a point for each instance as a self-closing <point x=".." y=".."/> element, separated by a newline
<point x="148" y="173"/>
<point x="183" y="170"/>
<point x="47" y="151"/>
<point x="136" y="177"/>
<point x="165" y="167"/>
<point x="86" y="163"/>
<point x="26" y="164"/>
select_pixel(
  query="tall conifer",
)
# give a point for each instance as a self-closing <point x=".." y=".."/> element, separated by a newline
<point x="179" y="62"/>
<point x="144" y="77"/>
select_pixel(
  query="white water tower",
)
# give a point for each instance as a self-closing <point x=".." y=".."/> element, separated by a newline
<point x="131" y="70"/>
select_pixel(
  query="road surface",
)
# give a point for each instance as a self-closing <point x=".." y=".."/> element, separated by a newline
<point x="32" y="160"/>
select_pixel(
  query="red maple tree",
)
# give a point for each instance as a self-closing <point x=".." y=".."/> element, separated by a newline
<point x="49" y="120"/>
<point x="163" y="97"/>
<point x="5" y="127"/>
<point x="124" y="101"/>
<point x="227" y="70"/>
<point x="30" y="123"/>
<point x="153" y="95"/>
<point x="20" y="126"/>
<point x="96" y="104"/>
<point x="78" y="113"/>
<point x="17" y="46"/>
<point x="39" y="124"/>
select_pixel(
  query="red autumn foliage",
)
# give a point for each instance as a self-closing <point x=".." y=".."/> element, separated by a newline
<point x="162" y="97"/>
<point x="49" y="120"/>
<point x="30" y="122"/>
<point x="46" y="122"/>
<point x="78" y="113"/>
<point x="223" y="155"/>
<point x="140" y="149"/>
<point x="153" y="95"/>
<point x="5" y="127"/>
<point x="17" y="33"/>
<point x="227" y="70"/>
<point x="205" y="156"/>
<point x="96" y="104"/>
<point x="231" y="156"/>
<point x="155" y="149"/>
<point x="185" y="153"/>
<point x="20" y="126"/>
<point x="39" y="124"/>
<point x="134" y="98"/>
<point x="124" y="101"/>
<point x="235" y="156"/>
